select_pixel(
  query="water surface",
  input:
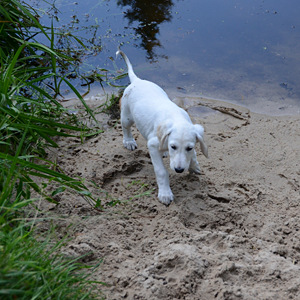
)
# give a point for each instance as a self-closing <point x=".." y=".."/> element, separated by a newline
<point x="245" y="52"/>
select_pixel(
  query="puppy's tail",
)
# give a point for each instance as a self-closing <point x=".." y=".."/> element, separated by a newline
<point x="131" y="74"/>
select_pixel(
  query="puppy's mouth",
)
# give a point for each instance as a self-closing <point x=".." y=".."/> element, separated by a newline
<point x="178" y="170"/>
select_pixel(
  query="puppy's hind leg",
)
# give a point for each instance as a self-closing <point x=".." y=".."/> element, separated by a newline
<point x="127" y="122"/>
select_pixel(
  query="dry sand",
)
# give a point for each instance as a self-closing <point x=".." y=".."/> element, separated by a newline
<point x="232" y="232"/>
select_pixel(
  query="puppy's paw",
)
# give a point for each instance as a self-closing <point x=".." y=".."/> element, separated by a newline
<point x="130" y="144"/>
<point x="196" y="170"/>
<point x="165" y="197"/>
<point x="194" y="167"/>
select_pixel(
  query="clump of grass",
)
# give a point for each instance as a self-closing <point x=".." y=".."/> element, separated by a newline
<point x="30" y="119"/>
<point x="36" y="270"/>
<point x="28" y="109"/>
<point x="112" y="105"/>
<point x="31" y="269"/>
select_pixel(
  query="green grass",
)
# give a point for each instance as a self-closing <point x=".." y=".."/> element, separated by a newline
<point x="37" y="270"/>
<point x="30" y="121"/>
<point x="28" y="109"/>
<point x="31" y="269"/>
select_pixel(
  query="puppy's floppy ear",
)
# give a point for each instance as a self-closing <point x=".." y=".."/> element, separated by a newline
<point x="199" y="136"/>
<point x="163" y="131"/>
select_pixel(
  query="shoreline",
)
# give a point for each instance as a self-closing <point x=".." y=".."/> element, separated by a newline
<point x="269" y="108"/>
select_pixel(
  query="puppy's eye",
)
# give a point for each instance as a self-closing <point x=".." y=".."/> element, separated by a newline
<point x="173" y="147"/>
<point x="189" y="148"/>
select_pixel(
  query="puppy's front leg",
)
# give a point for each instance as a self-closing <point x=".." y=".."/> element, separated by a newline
<point x="165" y="194"/>
<point x="194" y="165"/>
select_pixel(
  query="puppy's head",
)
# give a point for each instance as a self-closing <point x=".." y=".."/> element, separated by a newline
<point x="180" y="140"/>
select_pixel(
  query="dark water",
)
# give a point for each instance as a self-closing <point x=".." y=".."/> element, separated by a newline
<point x="245" y="52"/>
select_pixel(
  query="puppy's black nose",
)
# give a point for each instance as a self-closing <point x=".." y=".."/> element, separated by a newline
<point x="179" y="170"/>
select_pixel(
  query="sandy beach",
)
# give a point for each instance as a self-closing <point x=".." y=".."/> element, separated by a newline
<point x="231" y="232"/>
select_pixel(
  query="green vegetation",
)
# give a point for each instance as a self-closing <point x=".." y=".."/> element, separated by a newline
<point x="30" y="119"/>
<point x="35" y="270"/>
<point x="28" y="111"/>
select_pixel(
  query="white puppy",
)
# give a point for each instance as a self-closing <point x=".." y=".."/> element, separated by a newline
<point x="164" y="125"/>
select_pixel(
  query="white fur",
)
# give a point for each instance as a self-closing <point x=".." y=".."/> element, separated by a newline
<point x="164" y="125"/>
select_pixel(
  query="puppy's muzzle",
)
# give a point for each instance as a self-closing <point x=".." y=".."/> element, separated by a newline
<point x="179" y="170"/>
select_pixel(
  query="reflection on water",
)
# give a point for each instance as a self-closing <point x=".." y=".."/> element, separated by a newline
<point x="147" y="15"/>
<point x="241" y="51"/>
